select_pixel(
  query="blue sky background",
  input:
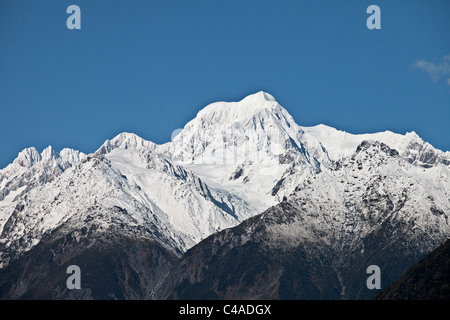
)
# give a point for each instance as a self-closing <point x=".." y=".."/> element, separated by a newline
<point x="149" y="66"/>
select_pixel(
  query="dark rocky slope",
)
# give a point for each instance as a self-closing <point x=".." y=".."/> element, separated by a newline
<point x="429" y="279"/>
<point x="113" y="266"/>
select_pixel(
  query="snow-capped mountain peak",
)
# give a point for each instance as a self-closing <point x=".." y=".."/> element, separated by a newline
<point x="71" y="156"/>
<point x="258" y="97"/>
<point x="244" y="147"/>
<point x="125" y="140"/>
<point x="27" y="157"/>
<point x="256" y="123"/>
<point x="49" y="153"/>
<point x="226" y="114"/>
<point x="31" y="169"/>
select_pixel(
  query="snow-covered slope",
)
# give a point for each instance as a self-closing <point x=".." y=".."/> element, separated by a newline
<point x="192" y="207"/>
<point x="410" y="146"/>
<point x="246" y="148"/>
<point x="362" y="191"/>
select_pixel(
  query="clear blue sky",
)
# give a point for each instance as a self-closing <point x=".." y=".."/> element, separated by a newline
<point x="149" y="66"/>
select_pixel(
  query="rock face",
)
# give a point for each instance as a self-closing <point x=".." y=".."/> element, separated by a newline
<point x="243" y="203"/>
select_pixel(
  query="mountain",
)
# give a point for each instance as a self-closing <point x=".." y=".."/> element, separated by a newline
<point x="246" y="148"/>
<point x="133" y="210"/>
<point x="371" y="208"/>
<point x="429" y="279"/>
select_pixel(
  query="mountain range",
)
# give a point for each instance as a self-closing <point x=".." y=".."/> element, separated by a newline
<point x="243" y="203"/>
